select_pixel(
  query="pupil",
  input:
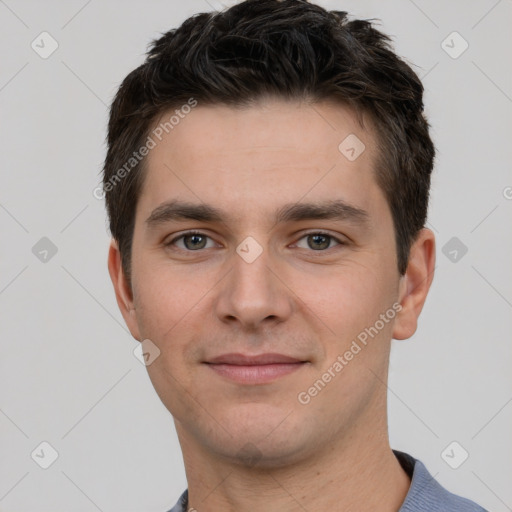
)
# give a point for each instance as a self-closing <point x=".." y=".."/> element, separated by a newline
<point x="319" y="238"/>
<point x="194" y="239"/>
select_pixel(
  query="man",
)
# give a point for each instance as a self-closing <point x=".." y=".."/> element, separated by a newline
<point x="267" y="183"/>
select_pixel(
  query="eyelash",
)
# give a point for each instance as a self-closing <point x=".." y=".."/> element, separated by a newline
<point x="199" y="233"/>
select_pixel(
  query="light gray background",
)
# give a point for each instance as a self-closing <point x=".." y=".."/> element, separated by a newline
<point x="68" y="374"/>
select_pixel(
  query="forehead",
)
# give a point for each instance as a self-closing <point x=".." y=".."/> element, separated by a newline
<point x="274" y="151"/>
<point x="271" y="124"/>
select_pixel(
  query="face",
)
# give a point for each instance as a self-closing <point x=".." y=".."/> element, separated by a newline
<point x="274" y="317"/>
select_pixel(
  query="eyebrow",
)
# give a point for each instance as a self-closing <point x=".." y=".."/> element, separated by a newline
<point x="177" y="210"/>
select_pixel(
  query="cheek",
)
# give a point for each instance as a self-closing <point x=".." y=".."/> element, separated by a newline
<point x="165" y="298"/>
<point x="166" y="303"/>
<point x="347" y="299"/>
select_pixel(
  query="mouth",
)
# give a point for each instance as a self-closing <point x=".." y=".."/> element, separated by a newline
<point x="257" y="369"/>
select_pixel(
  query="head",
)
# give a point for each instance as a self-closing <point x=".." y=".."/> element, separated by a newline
<point x="293" y="141"/>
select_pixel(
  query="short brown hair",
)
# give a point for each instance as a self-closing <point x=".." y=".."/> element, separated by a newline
<point x="289" y="49"/>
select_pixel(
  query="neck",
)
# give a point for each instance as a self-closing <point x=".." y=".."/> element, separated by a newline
<point x="360" y="474"/>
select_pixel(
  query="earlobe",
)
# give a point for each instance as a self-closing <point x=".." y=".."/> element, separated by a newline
<point x="415" y="284"/>
<point x="124" y="294"/>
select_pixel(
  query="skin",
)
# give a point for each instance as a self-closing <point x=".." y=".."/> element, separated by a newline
<point x="256" y="447"/>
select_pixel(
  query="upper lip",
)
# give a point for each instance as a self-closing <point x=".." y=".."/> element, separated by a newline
<point x="253" y="360"/>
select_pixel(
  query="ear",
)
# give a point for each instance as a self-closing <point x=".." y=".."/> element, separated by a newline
<point x="415" y="284"/>
<point x="124" y="294"/>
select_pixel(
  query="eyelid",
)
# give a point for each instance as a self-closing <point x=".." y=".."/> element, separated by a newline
<point x="339" y="240"/>
<point x="187" y="233"/>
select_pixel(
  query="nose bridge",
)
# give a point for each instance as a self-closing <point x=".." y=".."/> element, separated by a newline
<point x="252" y="278"/>
<point x="252" y="292"/>
<point x="251" y="269"/>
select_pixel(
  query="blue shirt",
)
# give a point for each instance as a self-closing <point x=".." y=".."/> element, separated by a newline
<point x="425" y="493"/>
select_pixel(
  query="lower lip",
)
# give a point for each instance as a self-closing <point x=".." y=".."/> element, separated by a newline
<point x="255" y="374"/>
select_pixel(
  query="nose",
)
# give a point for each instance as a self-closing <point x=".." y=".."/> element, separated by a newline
<point x="254" y="293"/>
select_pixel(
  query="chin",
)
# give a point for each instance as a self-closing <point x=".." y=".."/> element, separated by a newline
<point x="270" y="442"/>
<point x="253" y="456"/>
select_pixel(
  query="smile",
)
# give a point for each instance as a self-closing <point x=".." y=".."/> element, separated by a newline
<point x="255" y="374"/>
<point x="260" y="369"/>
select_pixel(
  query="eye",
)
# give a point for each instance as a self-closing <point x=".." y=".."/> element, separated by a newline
<point x="192" y="241"/>
<point x="195" y="240"/>
<point x="320" y="241"/>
